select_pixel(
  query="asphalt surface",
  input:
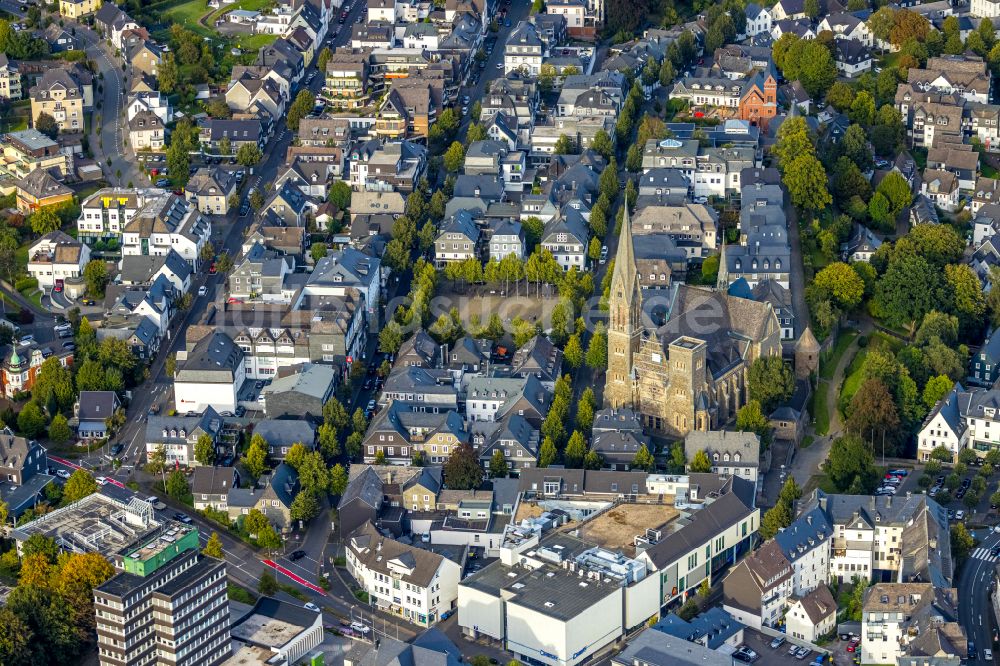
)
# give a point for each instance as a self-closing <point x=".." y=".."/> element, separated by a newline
<point x="975" y="584"/>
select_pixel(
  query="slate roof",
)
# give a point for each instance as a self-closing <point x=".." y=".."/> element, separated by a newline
<point x="285" y="433"/>
<point x="375" y="551"/>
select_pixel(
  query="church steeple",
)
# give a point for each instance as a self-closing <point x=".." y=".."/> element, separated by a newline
<point x="624" y="323"/>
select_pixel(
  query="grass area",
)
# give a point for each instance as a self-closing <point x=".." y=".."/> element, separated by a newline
<point x="34" y="295"/>
<point x="987" y="171"/>
<point x="294" y="591"/>
<point x="881" y="339"/>
<point x="21" y="256"/>
<point x="854" y="376"/>
<point x="253" y="42"/>
<point x="249" y="5"/>
<point x="828" y="364"/>
<point x="187" y="15"/>
<point x="241" y="594"/>
<point x="821" y="481"/>
<point x="820" y="411"/>
<point x="807" y="442"/>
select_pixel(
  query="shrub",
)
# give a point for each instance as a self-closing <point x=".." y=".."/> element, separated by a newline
<point x="862" y="341"/>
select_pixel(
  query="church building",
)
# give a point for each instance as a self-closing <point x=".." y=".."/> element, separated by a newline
<point x="679" y="357"/>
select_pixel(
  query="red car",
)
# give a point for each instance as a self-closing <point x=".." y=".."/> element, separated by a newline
<point x="234" y="301"/>
<point x="853" y="645"/>
<point x="58" y="287"/>
<point x="212" y="269"/>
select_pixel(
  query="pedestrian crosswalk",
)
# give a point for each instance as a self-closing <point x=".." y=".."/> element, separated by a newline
<point x="984" y="554"/>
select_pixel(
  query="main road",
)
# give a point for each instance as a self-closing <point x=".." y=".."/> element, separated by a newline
<point x="975" y="586"/>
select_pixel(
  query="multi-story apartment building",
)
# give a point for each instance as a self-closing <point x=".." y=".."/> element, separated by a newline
<point x="179" y="434"/>
<point x="731" y="453"/>
<point x="166" y="223"/>
<point x="412" y="583"/>
<point x="166" y="605"/>
<point x="77" y="9"/>
<point x="693" y="227"/>
<point x="57" y="256"/>
<point x="19" y="367"/>
<point x="807" y="544"/>
<point x="458" y="239"/>
<point x="347" y="79"/>
<point x="29" y="150"/>
<point x="524" y="50"/>
<point x="61" y="95"/>
<point x="105" y="213"/>
<point x="898" y="538"/>
<point x="23" y="472"/>
<point x="900" y="619"/>
<point x="402" y="429"/>
<point x="10" y="79"/>
<point x="756" y="591"/>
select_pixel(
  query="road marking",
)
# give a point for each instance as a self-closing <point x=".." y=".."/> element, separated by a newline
<point x="298" y="579"/>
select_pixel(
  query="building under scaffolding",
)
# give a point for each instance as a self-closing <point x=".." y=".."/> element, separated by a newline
<point x="95" y="524"/>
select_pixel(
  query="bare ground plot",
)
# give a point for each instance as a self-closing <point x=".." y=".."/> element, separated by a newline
<point x="527" y="510"/>
<point x="618" y="527"/>
<point x="480" y="303"/>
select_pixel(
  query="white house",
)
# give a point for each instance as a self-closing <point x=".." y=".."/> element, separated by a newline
<point x="945" y="425"/>
<point x="758" y="19"/>
<point x="56" y="256"/>
<point x="166" y="223"/>
<point x="409" y="582"/>
<point x="757" y="589"/>
<point x="812" y="615"/>
<point x="210" y="372"/>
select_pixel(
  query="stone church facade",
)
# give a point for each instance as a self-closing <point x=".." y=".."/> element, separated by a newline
<point x="689" y="373"/>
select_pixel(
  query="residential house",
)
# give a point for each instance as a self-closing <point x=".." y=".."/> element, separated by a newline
<point x="209" y="190"/>
<point x="410" y="582"/>
<point x="524" y="50"/>
<point x="908" y="615"/>
<point x="756" y="590"/>
<point x="23" y="473"/>
<point x="210" y="486"/>
<point x="146" y="132"/>
<point x="10" y="79"/>
<point x="513" y="436"/>
<point x="567" y="238"/>
<point x="272" y="496"/>
<point x="60" y="94"/>
<point x="167" y="223"/>
<point x="282" y="434"/>
<point x="39" y="189"/>
<point x="301" y="393"/>
<point x="984" y="367"/>
<point x="77" y="9"/>
<point x="94" y="411"/>
<point x="941" y="188"/>
<point x="179" y="434"/>
<point x="812" y="616"/>
<point x="507" y="239"/>
<point x="736" y="453"/>
<point x="29" y="150"/>
<point x="20" y="365"/>
<point x="852" y="57"/>
<point x="56" y="256"/>
<point x="402" y="430"/>
<point x="493" y="398"/>
<point x="458" y="239"/>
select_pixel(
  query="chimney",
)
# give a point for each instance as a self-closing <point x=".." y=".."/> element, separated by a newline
<point x="809" y="520"/>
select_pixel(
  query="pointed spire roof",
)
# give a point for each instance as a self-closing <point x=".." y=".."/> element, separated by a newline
<point x="625" y="268"/>
<point x="807" y="342"/>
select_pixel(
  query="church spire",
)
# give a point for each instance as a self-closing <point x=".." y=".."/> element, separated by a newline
<point x="625" y="268"/>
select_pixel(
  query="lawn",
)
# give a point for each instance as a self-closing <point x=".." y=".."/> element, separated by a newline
<point x="807" y="442"/>
<point x="820" y="411"/>
<point x="828" y="364"/>
<point x="187" y="15"/>
<point x="854" y="378"/>
<point x="253" y="42"/>
<point x="987" y="171"/>
<point x="249" y="5"/>
<point x="821" y="481"/>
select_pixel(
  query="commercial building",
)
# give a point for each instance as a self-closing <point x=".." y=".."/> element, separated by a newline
<point x="277" y="633"/>
<point x="167" y="605"/>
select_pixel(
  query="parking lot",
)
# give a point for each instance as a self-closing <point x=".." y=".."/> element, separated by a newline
<point x="761" y="644"/>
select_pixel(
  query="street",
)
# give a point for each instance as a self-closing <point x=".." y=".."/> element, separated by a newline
<point x="975" y="584"/>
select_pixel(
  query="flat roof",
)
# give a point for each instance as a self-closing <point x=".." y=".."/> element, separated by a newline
<point x="272" y="623"/>
<point x="617" y="528"/>
<point x="97" y="523"/>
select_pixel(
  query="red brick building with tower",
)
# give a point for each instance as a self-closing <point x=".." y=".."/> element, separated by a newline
<point x="759" y="102"/>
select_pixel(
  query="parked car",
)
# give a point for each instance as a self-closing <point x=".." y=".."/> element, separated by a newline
<point x="898" y="472"/>
<point x="802" y="653"/>
<point x="182" y="517"/>
<point x="156" y="503"/>
<point x="202" y="290"/>
<point x="853" y="645"/>
<point x="777" y="642"/>
<point x="26" y="340"/>
<point x="69" y="345"/>
<point x="960" y="514"/>
<point x="88" y="301"/>
<point x="63" y="473"/>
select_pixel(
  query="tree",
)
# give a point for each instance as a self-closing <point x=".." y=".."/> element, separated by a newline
<point x="573" y="352"/>
<point x="177" y="485"/>
<point x="564" y="145"/>
<point x="805" y="179"/>
<point x="256" y="200"/>
<point x="317" y="251"/>
<point x="213" y="547"/>
<point x="909" y="288"/>
<point x="45" y="220"/>
<point x="499" y="469"/>
<point x="267" y="585"/>
<point x="602" y="144"/>
<point x="897" y="191"/>
<point x="701" y="463"/>
<point x="936" y="389"/>
<point x="300" y="108"/>
<point x="585" y="415"/>
<point x="16" y="640"/>
<point x="962" y="542"/>
<point x="750" y="418"/>
<point x="851" y="461"/>
<point x="340" y="195"/>
<point x="313" y="472"/>
<point x="770" y="382"/>
<point x="47" y="125"/>
<point x="597" y="350"/>
<point x="255" y="459"/>
<point x="248" y="154"/>
<point x="305" y="506"/>
<point x="338" y="479"/>
<point x="462" y="470"/>
<point x="204" y="450"/>
<point x="95" y="275"/>
<point x="31" y="420"/>
<point x="842" y="284"/>
<point x="454" y="157"/>
<point x="872" y="412"/>
<point x="547" y="453"/>
<point x="59" y="430"/>
<point x="968" y="300"/>
<point x="776" y="518"/>
<point x="644" y="460"/>
<point x="80" y="484"/>
<point x="219" y="109"/>
<point x="576" y="451"/>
